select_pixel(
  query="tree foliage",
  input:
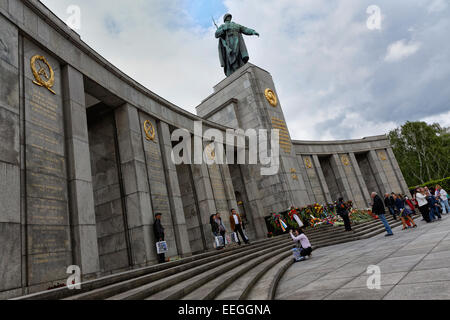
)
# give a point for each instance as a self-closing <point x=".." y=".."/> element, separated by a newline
<point x="422" y="151"/>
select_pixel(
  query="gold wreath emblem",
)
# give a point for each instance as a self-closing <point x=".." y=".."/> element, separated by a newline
<point x="382" y="156"/>
<point x="41" y="76"/>
<point x="210" y="152"/>
<point x="308" y="163"/>
<point x="271" y="97"/>
<point x="345" y="160"/>
<point x="149" y="131"/>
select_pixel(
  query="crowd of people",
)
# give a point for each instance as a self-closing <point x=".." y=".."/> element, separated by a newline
<point x="432" y="204"/>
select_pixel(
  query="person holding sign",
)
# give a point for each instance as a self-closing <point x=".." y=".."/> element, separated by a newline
<point x="158" y="230"/>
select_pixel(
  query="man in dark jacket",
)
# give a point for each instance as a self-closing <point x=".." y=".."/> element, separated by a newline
<point x="389" y="203"/>
<point x="158" y="229"/>
<point x="343" y="212"/>
<point x="378" y="209"/>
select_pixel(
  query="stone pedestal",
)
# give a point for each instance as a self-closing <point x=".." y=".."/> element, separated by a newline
<point x="240" y="101"/>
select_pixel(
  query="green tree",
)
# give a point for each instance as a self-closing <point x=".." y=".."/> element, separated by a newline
<point x="422" y="151"/>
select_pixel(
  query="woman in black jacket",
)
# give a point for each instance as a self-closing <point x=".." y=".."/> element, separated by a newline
<point x="214" y="227"/>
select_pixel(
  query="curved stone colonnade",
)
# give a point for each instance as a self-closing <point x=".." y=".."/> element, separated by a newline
<point x="352" y="169"/>
<point x="85" y="160"/>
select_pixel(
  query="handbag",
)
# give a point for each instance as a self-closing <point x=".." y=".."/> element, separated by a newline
<point x="234" y="237"/>
<point x="161" y="247"/>
<point x="218" y="241"/>
<point x="227" y="239"/>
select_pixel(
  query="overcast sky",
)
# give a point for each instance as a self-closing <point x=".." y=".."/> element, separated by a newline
<point x="335" y="77"/>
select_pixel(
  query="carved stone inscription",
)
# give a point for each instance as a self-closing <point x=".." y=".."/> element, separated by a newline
<point x="48" y="231"/>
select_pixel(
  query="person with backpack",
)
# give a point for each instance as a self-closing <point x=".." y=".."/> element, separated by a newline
<point x="403" y="212"/>
<point x="410" y="210"/>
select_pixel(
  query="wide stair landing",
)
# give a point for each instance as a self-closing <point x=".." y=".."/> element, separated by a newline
<point x="248" y="272"/>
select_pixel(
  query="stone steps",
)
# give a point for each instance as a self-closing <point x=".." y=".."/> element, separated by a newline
<point x="167" y="268"/>
<point x="247" y="272"/>
<point x="175" y="287"/>
<point x="239" y="290"/>
<point x="221" y="282"/>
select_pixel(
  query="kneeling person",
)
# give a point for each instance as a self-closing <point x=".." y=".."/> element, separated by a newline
<point x="305" y="246"/>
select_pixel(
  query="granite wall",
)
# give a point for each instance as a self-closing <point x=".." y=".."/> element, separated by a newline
<point x="109" y="211"/>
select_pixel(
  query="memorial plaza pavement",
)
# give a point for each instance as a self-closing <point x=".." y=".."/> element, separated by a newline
<point x="414" y="263"/>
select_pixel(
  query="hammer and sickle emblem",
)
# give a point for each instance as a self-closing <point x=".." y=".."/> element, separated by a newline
<point x="210" y="152"/>
<point x="345" y="160"/>
<point x="308" y="163"/>
<point x="271" y="97"/>
<point x="149" y="131"/>
<point x="41" y="76"/>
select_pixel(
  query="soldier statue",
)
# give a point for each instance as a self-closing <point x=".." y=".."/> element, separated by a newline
<point x="232" y="50"/>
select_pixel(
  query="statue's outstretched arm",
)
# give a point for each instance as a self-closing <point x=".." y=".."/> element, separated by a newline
<point x="248" y="31"/>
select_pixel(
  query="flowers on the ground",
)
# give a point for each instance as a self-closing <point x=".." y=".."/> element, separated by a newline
<point x="317" y="214"/>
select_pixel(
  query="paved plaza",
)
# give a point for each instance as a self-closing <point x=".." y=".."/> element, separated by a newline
<point x="414" y="263"/>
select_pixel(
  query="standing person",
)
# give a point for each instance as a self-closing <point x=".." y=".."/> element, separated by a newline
<point x="442" y="194"/>
<point x="214" y="228"/>
<point x="390" y="204"/>
<point x="410" y="210"/>
<point x="378" y="209"/>
<point x="222" y="229"/>
<point x="343" y="212"/>
<point x="404" y="213"/>
<point x="158" y="230"/>
<point x="434" y="206"/>
<point x="423" y="204"/>
<point x="236" y="226"/>
<point x="299" y="237"/>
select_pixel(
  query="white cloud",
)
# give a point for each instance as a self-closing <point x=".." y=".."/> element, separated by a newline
<point x="400" y="50"/>
<point x="437" y="6"/>
<point x="325" y="63"/>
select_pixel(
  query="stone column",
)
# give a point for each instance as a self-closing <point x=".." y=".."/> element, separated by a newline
<point x="341" y="178"/>
<point x="205" y="199"/>
<point x="139" y="212"/>
<point x="173" y="188"/>
<point x="254" y="198"/>
<point x="378" y="172"/>
<point x="10" y="154"/>
<point x="360" y="178"/>
<point x="81" y="197"/>
<point x="397" y="171"/>
<point x="323" y="181"/>
<point x="229" y="191"/>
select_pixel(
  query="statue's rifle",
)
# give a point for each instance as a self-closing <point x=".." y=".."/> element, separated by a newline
<point x="221" y="39"/>
<point x="214" y="21"/>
